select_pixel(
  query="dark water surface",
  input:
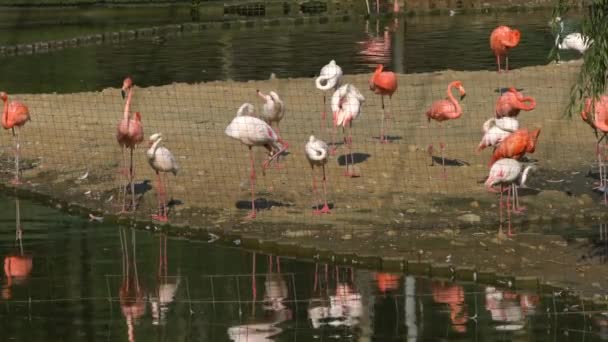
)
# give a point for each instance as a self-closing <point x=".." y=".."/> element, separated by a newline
<point x="74" y="280"/>
<point x="407" y="45"/>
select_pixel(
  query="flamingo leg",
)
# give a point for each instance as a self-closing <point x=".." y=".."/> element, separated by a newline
<point x="509" y="233"/>
<point x="507" y="63"/>
<point x="498" y="61"/>
<point x="277" y="165"/>
<point x="325" y="208"/>
<point x="16" y="180"/>
<point x="382" y="137"/>
<point x="349" y="144"/>
<point x="442" y="148"/>
<point x="324" y="114"/>
<point x="131" y="180"/>
<point x="500" y="233"/>
<point x="334" y="132"/>
<point x="517" y="209"/>
<point x="315" y="211"/>
<point x="316" y="281"/>
<point x="162" y="200"/>
<point x="604" y="181"/>
<point x="252" y="181"/>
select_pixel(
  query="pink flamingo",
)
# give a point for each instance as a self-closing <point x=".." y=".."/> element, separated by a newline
<point x="598" y="120"/>
<point x="129" y="133"/>
<point x="512" y="102"/>
<point x="17" y="266"/>
<point x="505" y="172"/>
<point x="272" y="111"/>
<point x="443" y="110"/>
<point x="383" y="83"/>
<point x="131" y="294"/>
<point x="317" y="152"/>
<point x="252" y="131"/>
<point x="346" y="106"/>
<point x="161" y="160"/>
<point x="15" y="114"/>
<point x="330" y="77"/>
<point x="502" y="39"/>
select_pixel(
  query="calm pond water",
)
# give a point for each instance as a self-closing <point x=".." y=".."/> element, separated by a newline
<point x="74" y="280"/>
<point x="409" y="45"/>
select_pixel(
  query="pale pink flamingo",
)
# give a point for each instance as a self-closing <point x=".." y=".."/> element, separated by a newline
<point x="597" y="118"/>
<point x="330" y="78"/>
<point x="317" y="152"/>
<point x="383" y="83"/>
<point x="506" y="172"/>
<point x="273" y="111"/>
<point x="129" y="133"/>
<point x="512" y="102"/>
<point x="496" y="130"/>
<point x="443" y="110"/>
<point x="346" y="106"/>
<point x="161" y="160"/>
<point x="15" y="114"/>
<point x="252" y="131"/>
<point x="502" y="39"/>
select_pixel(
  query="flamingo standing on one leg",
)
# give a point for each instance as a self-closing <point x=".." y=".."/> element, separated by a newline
<point x="346" y="106"/>
<point x="15" y="114"/>
<point x="512" y="102"/>
<point x="516" y="145"/>
<point x="252" y="131"/>
<point x="506" y="172"/>
<point x="446" y="109"/>
<point x="129" y="133"/>
<point x="598" y="120"/>
<point x="273" y="111"/>
<point x="502" y="39"/>
<point x="330" y="78"/>
<point x="161" y="160"/>
<point x="317" y="152"/>
<point x="383" y="83"/>
<point x="497" y="130"/>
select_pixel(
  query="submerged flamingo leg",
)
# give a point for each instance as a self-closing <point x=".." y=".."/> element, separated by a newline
<point x="325" y="208"/>
<point x="252" y="181"/>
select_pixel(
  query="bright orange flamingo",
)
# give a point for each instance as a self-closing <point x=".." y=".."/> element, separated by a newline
<point x="516" y="145"/>
<point x="129" y="133"/>
<point x="387" y="281"/>
<point x="598" y="121"/>
<point x="383" y="83"/>
<point x="453" y="296"/>
<point x="512" y="102"/>
<point x="17" y="266"/>
<point x="443" y="110"/>
<point x="15" y="114"/>
<point x="502" y="39"/>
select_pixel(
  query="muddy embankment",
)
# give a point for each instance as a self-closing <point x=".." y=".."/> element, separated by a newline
<point x="400" y="214"/>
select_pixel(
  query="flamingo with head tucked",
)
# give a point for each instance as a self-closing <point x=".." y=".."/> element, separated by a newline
<point x="512" y="102"/>
<point x="329" y="78"/>
<point x="272" y="111"/>
<point x="502" y="39"/>
<point x="346" y="106"/>
<point x="496" y="130"/>
<point x="14" y="115"/>
<point x="129" y="133"/>
<point x="383" y="83"/>
<point x="317" y="153"/>
<point x="595" y="113"/>
<point x="443" y="110"/>
<point x="161" y="160"/>
<point x="252" y="131"/>
<point x="516" y="145"/>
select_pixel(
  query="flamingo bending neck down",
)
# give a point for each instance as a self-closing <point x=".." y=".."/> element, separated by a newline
<point x="512" y="102"/>
<point x="598" y="121"/>
<point x="330" y="78"/>
<point x="272" y="111"/>
<point x="502" y="39"/>
<point x="317" y="153"/>
<point x="516" y="145"/>
<point x="346" y="105"/>
<point x="129" y="133"/>
<point x="508" y="172"/>
<point x="443" y="110"/>
<point x="383" y="83"/>
<point x="161" y="160"/>
<point x="14" y="115"/>
<point x="252" y="131"/>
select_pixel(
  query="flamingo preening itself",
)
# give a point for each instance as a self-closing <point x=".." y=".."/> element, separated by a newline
<point x="502" y="39"/>
<point x="496" y="130"/>
<point x="516" y="145"/>
<point x="272" y="111"/>
<point x="383" y="83"/>
<point x="129" y="133"/>
<point x="317" y="153"/>
<point x="14" y="115"/>
<point x="595" y="113"/>
<point x="512" y="102"/>
<point x="506" y="173"/>
<point x="252" y="131"/>
<point x="443" y="110"/>
<point x="346" y="106"/>
<point x="161" y="160"/>
<point x="330" y="78"/>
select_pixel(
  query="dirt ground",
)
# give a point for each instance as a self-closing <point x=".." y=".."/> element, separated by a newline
<point x="398" y="206"/>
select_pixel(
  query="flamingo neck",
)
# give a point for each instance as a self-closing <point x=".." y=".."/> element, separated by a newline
<point x="128" y="104"/>
<point x="154" y="147"/>
<point x="458" y="109"/>
<point x="526" y="103"/>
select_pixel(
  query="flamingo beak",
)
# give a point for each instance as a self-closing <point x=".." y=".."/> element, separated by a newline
<point x="462" y="96"/>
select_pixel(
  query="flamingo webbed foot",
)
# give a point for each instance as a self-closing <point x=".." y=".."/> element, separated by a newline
<point x="325" y="209"/>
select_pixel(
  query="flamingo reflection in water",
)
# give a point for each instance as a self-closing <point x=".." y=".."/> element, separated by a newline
<point x="453" y="296"/>
<point x="259" y="329"/>
<point x="17" y="265"/>
<point x="510" y="309"/>
<point x="166" y="286"/>
<point x="131" y="294"/>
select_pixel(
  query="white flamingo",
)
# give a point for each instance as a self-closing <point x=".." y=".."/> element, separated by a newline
<point x="330" y="77"/>
<point x="161" y="160"/>
<point x="252" y="131"/>
<point x="273" y="110"/>
<point x="573" y="41"/>
<point x="496" y="130"/>
<point x="507" y="172"/>
<point x="346" y="106"/>
<point x="317" y="152"/>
